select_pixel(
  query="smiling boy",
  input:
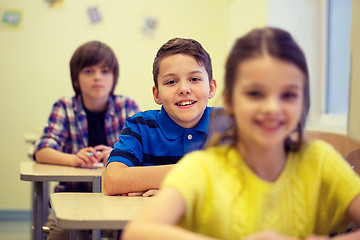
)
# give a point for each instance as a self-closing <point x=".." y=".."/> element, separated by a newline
<point x="153" y="141"/>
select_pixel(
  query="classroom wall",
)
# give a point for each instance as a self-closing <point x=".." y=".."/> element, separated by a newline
<point x="34" y="59"/>
<point x="354" y="99"/>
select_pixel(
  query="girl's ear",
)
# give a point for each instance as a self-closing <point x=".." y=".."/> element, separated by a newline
<point x="227" y="102"/>
<point x="156" y="95"/>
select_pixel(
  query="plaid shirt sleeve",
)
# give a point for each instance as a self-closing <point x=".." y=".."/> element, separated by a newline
<point x="56" y="133"/>
<point x="131" y="107"/>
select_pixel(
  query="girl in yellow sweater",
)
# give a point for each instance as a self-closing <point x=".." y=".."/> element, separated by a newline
<point x="260" y="180"/>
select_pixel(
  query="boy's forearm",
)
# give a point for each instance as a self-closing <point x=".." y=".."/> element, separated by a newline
<point x="52" y="156"/>
<point x="119" y="178"/>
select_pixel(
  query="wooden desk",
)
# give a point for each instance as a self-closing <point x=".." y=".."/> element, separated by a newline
<point x="40" y="175"/>
<point x="77" y="211"/>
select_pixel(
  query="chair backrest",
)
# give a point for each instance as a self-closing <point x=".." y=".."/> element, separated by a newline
<point x="102" y="182"/>
<point x="353" y="158"/>
<point x="343" y="144"/>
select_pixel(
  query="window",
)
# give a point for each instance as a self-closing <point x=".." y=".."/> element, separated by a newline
<point x="338" y="56"/>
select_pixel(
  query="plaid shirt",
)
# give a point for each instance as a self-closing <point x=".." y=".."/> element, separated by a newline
<point x="67" y="129"/>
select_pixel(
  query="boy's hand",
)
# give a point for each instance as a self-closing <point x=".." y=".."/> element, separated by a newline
<point x="148" y="193"/>
<point x="104" y="152"/>
<point x="86" y="157"/>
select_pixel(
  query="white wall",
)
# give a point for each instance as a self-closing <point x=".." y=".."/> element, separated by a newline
<point x="34" y="60"/>
<point x="34" y="63"/>
<point x="305" y="21"/>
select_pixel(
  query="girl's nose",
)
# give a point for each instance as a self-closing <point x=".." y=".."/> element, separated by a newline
<point x="271" y="105"/>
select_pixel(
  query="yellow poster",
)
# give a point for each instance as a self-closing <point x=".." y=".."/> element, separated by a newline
<point x="11" y="19"/>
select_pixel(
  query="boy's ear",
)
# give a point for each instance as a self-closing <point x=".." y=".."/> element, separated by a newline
<point x="213" y="87"/>
<point x="156" y="95"/>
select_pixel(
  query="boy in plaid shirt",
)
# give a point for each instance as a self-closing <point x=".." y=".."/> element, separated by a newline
<point x="82" y="129"/>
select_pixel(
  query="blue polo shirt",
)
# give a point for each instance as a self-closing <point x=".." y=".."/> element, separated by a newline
<point x="153" y="138"/>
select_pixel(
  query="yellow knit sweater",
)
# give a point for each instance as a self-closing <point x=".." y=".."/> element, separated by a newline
<point x="226" y="200"/>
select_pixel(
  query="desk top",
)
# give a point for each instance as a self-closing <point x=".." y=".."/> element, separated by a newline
<point x="36" y="172"/>
<point x="94" y="210"/>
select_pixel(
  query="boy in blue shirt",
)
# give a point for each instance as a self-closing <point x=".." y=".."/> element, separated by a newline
<point x="151" y="142"/>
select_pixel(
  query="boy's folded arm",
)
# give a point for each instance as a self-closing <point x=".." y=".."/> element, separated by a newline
<point x="52" y="156"/>
<point x="119" y="178"/>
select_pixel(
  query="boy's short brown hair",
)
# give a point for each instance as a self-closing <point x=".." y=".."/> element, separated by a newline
<point x="89" y="54"/>
<point x="182" y="46"/>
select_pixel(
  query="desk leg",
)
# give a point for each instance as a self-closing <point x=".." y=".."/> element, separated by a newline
<point x="46" y="201"/>
<point x="37" y="211"/>
<point x="96" y="233"/>
<point x="72" y="234"/>
<point x="96" y="186"/>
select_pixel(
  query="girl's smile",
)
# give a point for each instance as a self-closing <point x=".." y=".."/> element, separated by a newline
<point x="267" y="101"/>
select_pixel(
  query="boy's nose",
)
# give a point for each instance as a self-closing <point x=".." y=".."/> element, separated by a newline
<point x="184" y="89"/>
<point x="97" y="75"/>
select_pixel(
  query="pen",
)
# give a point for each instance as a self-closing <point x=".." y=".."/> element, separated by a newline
<point x="91" y="154"/>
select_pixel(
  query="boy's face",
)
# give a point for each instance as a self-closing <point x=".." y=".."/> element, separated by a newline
<point x="183" y="89"/>
<point x="96" y="83"/>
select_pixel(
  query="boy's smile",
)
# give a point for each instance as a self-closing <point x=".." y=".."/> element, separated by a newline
<point x="185" y="103"/>
<point x="183" y="89"/>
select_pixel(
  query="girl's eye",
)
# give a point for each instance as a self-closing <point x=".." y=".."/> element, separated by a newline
<point x="254" y="94"/>
<point x="289" y="95"/>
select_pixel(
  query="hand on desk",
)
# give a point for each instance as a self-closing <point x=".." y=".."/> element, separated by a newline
<point x="86" y="157"/>
<point x="104" y="152"/>
<point x="148" y="193"/>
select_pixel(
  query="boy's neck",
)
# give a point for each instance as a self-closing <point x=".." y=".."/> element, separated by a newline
<point x="95" y="105"/>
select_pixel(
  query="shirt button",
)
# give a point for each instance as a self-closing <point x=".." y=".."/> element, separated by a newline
<point x="189" y="136"/>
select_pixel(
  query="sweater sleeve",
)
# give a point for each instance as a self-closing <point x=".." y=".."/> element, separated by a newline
<point x="340" y="185"/>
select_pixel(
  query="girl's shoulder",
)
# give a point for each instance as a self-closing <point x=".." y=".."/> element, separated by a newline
<point x="317" y="147"/>
<point x="317" y="153"/>
<point x="216" y="155"/>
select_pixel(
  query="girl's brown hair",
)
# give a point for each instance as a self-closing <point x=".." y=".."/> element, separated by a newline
<point x="278" y="44"/>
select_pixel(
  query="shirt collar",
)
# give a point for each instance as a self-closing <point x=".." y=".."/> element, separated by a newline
<point x="173" y="131"/>
<point x="79" y="107"/>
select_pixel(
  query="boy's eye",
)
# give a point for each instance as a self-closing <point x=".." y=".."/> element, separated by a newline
<point x="170" y="82"/>
<point x="87" y="70"/>
<point x="106" y="70"/>
<point x="195" y="79"/>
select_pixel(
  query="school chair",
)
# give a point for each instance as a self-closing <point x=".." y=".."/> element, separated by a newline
<point x="353" y="158"/>
<point x="342" y="143"/>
